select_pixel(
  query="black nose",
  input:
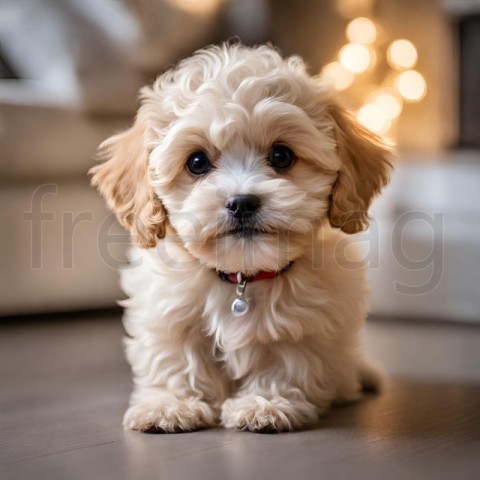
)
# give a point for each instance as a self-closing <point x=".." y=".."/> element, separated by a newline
<point x="242" y="204"/>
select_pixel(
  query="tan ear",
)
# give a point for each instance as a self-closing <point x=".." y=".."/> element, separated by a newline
<point x="123" y="179"/>
<point x="365" y="169"/>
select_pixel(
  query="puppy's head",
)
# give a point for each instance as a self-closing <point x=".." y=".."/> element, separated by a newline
<point x="243" y="155"/>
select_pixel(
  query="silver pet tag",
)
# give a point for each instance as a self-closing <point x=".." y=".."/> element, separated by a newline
<point x="240" y="305"/>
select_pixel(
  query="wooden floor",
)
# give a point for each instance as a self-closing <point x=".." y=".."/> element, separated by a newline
<point x="64" y="386"/>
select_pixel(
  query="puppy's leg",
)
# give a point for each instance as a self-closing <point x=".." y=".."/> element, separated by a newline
<point x="372" y="377"/>
<point x="268" y="413"/>
<point x="158" y="410"/>
<point x="177" y="385"/>
<point x="354" y="374"/>
<point x="282" y="388"/>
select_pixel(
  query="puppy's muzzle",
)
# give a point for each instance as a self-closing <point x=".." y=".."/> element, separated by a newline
<point x="243" y="210"/>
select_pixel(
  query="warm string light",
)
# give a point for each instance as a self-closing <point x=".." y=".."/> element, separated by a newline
<point x="339" y="76"/>
<point x="351" y="8"/>
<point x="411" y="85"/>
<point x="196" y="7"/>
<point x="388" y="101"/>
<point x="361" y="30"/>
<point x="383" y="106"/>
<point x="402" y="54"/>
<point x="356" y="57"/>
<point x="372" y="117"/>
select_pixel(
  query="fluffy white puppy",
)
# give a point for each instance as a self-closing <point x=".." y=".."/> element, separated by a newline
<point x="236" y="181"/>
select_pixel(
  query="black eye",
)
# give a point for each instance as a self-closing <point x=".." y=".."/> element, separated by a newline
<point x="281" y="157"/>
<point x="198" y="163"/>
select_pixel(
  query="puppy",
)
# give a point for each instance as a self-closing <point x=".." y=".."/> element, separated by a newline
<point x="237" y="181"/>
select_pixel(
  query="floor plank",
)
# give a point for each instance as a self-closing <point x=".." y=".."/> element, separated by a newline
<point x="65" y="385"/>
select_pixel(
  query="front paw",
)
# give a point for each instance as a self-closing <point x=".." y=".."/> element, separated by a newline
<point x="169" y="416"/>
<point x="259" y="414"/>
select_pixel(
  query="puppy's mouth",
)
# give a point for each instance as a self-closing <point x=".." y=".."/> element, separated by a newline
<point x="243" y="226"/>
<point x="245" y="232"/>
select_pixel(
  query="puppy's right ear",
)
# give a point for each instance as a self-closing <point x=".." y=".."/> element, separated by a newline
<point x="123" y="179"/>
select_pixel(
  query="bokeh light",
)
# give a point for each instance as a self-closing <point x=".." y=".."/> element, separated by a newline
<point x="402" y="54"/>
<point x="196" y="7"/>
<point x="356" y="57"/>
<point x="400" y="84"/>
<point x="353" y="8"/>
<point x="411" y="85"/>
<point x="373" y="118"/>
<point x="338" y="75"/>
<point x="388" y="101"/>
<point x="361" y="30"/>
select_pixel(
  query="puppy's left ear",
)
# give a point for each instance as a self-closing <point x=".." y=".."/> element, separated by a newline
<point x="123" y="179"/>
<point x="365" y="169"/>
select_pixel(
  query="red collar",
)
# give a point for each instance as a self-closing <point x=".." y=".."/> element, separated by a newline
<point x="261" y="275"/>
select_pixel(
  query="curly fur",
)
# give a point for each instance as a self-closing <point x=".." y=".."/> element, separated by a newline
<point x="297" y="350"/>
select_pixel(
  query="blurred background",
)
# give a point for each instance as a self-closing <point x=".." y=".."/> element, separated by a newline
<point x="69" y="75"/>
